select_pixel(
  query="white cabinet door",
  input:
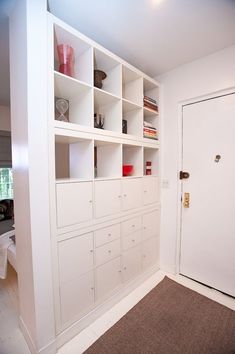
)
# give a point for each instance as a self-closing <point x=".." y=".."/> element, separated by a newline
<point x="150" y="252"/>
<point x="108" y="278"/>
<point x="131" y="193"/>
<point x="76" y="297"/>
<point x="131" y="263"/>
<point x="74" y="203"/>
<point x="151" y="224"/>
<point x="151" y="190"/>
<point x="107" y="198"/>
<point x="75" y="256"/>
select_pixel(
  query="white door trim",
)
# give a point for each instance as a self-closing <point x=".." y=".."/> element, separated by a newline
<point x="181" y="104"/>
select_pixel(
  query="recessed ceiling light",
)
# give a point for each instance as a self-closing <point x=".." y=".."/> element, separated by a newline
<point x="156" y="2"/>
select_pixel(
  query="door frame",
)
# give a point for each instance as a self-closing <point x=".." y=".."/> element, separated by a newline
<point x="181" y="104"/>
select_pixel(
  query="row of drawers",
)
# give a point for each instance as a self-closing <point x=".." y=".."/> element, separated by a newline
<point x="80" y="254"/>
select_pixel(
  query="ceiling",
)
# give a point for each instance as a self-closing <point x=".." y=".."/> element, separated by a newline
<point x="153" y="35"/>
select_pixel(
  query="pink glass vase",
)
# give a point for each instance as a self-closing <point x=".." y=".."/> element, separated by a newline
<point x="66" y="59"/>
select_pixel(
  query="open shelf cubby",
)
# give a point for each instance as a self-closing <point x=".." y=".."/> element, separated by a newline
<point x="79" y="97"/>
<point x="134" y="118"/>
<point x="73" y="158"/>
<point x="151" y="155"/>
<point x="133" y="155"/>
<point x="83" y="54"/>
<point x="151" y="92"/>
<point x="105" y="63"/>
<point x="110" y="108"/>
<point x="107" y="159"/>
<point x="132" y="86"/>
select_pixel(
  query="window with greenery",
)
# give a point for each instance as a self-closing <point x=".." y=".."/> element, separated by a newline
<point x="6" y="183"/>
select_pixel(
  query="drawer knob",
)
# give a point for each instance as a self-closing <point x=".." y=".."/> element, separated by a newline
<point x="132" y="225"/>
<point x="91" y="251"/>
<point x="124" y="195"/>
<point x="109" y="251"/>
<point x="144" y="227"/>
<point x="133" y="240"/>
<point x="119" y="196"/>
<point x="145" y="191"/>
<point x="119" y="271"/>
<point x="124" y="268"/>
<point x="92" y="288"/>
<point x="109" y="234"/>
<point x="90" y="201"/>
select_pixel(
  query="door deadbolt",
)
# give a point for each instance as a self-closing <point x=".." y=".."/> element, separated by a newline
<point x="186" y="200"/>
<point x="184" y="175"/>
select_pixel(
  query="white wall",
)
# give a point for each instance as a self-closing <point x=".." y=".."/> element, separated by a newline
<point x="201" y="77"/>
<point x="5" y="118"/>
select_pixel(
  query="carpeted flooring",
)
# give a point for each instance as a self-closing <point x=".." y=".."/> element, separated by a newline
<point x="171" y="319"/>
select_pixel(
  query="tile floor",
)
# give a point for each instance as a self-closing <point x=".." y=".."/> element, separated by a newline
<point x="12" y="341"/>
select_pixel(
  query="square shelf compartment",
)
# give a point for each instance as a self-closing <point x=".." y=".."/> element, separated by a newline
<point x="79" y="96"/>
<point x="151" y="91"/>
<point x="83" y="54"/>
<point x="151" y="121"/>
<point x="132" y="86"/>
<point x="105" y="63"/>
<point x="107" y="159"/>
<point x="134" y="118"/>
<point x="111" y="109"/>
<point x="151" y="155"/>
<point x="133" y="155"/>
<point x="73" y="158"/>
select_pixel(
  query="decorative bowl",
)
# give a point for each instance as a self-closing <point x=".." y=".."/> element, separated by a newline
<point x="127" y="170"/>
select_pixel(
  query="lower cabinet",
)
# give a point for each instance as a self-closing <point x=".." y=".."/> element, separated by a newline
<point x="94" y="265"/>
<point x="77" y="297"/>
<point x="150" y="190"/>
<point x="108" y="278"/>
<point x="150" y="252"/>
<point x="131" y="263"/>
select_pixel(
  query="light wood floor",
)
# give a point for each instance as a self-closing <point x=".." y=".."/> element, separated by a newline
<point x="11" y="338"/>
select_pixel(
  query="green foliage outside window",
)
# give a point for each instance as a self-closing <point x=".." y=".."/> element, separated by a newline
<point x="6" y="183"/>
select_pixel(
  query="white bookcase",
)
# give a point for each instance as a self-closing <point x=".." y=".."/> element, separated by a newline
<point x="105" y="226"/>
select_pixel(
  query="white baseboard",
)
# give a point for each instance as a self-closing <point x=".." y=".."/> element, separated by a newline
<point x="50" y="348"/>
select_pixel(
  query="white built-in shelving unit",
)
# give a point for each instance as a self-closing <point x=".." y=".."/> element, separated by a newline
<point x="105" y="226"/>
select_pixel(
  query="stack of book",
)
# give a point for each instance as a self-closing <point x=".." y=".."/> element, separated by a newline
<point x="150" y="131"/>
<point x="150" y="103"/>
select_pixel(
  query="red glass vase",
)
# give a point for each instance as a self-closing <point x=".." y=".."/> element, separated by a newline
<point x="66" y="59"/>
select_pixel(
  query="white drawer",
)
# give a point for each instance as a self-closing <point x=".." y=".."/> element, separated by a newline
<point x="131" y="240"/>
<point x="107" y="252"/>
<point x="107" y="234"/>
<point x="131" y="225"/>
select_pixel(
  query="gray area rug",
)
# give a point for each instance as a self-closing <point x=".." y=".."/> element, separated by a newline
<point x="171" y="319"/>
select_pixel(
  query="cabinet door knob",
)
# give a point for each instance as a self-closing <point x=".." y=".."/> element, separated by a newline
<point x="109" y="251"/>
<point x="109" y="234"/>
<point x="119" y="271"/>
<point x="90" y="201"/>
<point x="133" y="240"/>
<point x="124" y="195"/>
<point x="145" y="191"/>
<point x="119" y="196"/>
<point x="133" y="225"/>
<point x="144" y="227"/>
<point x="91" y="251"/>
<point x="92" y="288"/>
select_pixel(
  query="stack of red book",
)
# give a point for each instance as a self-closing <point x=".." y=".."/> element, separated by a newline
<point x="150" y="103"/>
<point x="150" y="131"/>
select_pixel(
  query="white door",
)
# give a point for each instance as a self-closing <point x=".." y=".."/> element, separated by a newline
<point x="74" y="203"/>
<point x="107" y="197"/>
<point x="150" y="189"/>
<point x="131" y="193"/>
<point x="208" y="224"/>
